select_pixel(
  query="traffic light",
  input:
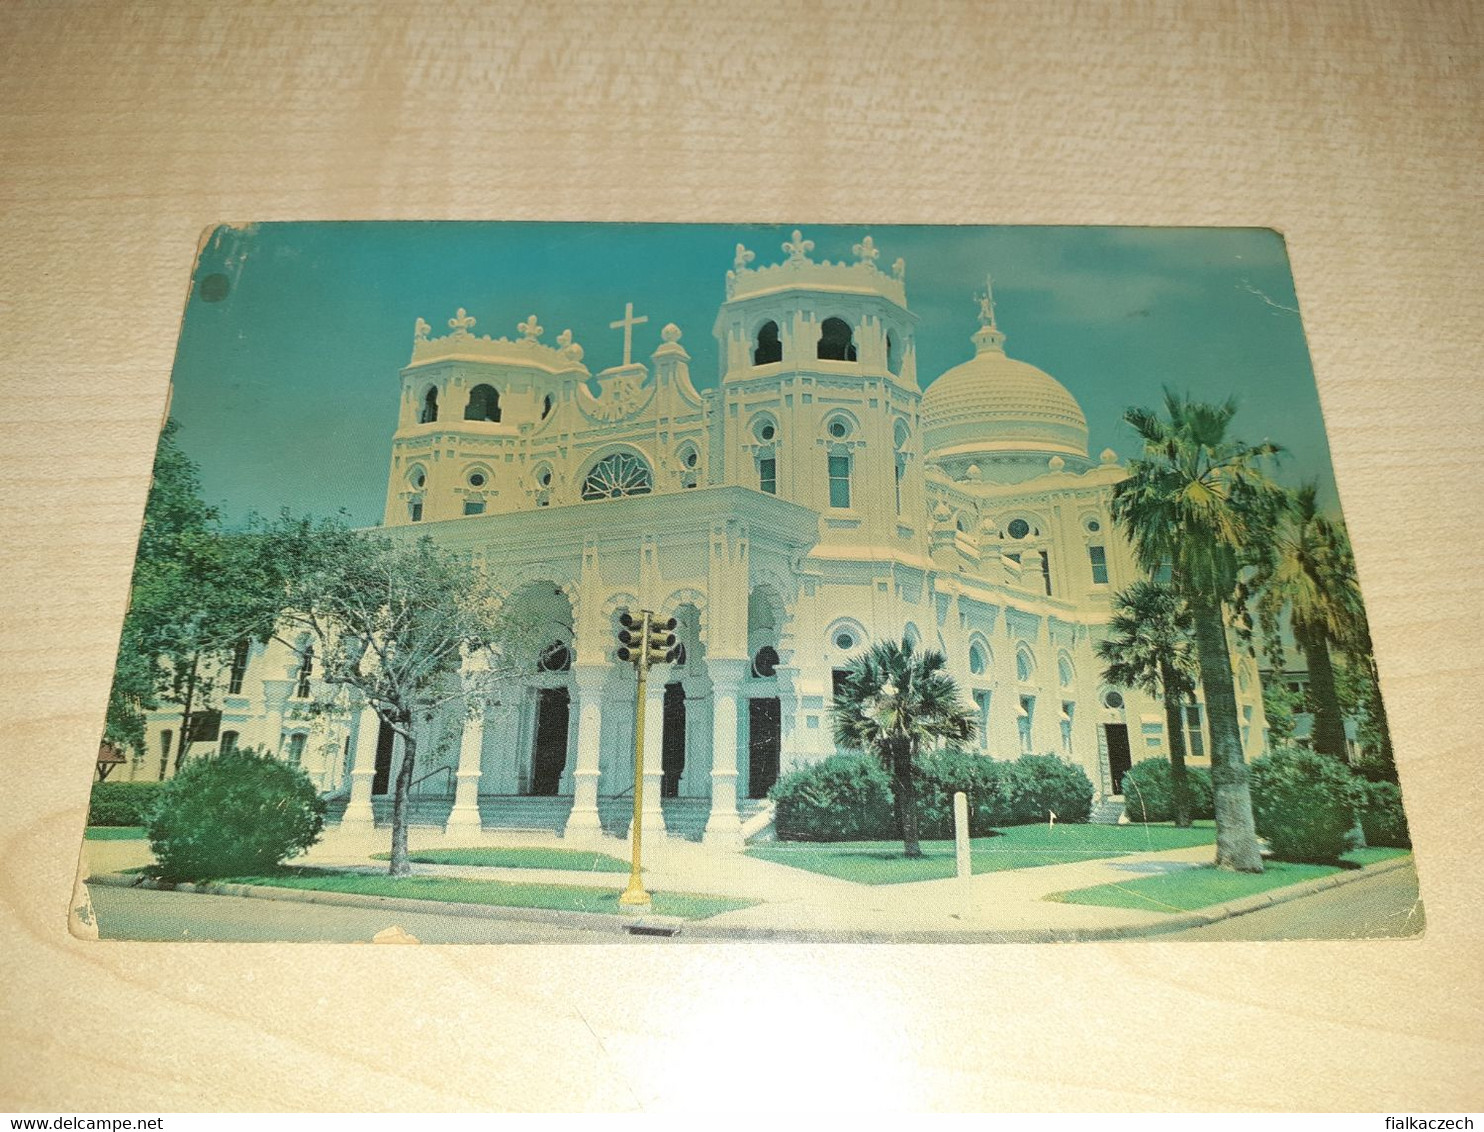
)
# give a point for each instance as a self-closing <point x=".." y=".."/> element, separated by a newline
<point x="662" y="646"/>
<point x="631" y="639"/>
<point x="646" y="640"/>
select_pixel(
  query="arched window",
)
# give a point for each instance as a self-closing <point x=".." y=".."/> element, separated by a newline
<point x="546" y="403"/>
<point x="893" y="354"/>
<point x="768" y="348"/>
<point x="306" y="670"/>
<point x="1025" y="665"/>
<point x="1064" y="670"/>
<point x="229" y="742"/>
<point x="484" y="404"/>
<point x="836" y="342"/>
<point x="429" y="412"/>
<point x="556" y="658"/>
<point x="839" y="469"/>
<point x="240" y="653"/>
<point x="765" y="664"/>
<point x="978" y="659"/>
<point x="618" y="475"/>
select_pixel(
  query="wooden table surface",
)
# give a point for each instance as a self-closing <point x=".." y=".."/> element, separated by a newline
<point x="126" y="129"/>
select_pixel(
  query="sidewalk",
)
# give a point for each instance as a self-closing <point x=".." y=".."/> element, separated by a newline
<point x="797" y="905"/>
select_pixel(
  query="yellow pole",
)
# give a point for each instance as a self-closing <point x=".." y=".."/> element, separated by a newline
<point x="634" y="896"/>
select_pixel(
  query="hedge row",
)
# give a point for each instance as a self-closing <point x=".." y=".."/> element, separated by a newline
<point x="123" y="803"/>
<point x="1305" y="804"/>
<point x="847" y="797"/>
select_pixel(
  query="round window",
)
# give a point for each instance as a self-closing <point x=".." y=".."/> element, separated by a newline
<point x="418" y="480"/>
<point x="765" y="664"/>
<point x="767" y="432"/>
<point x="544" y="479"/>
<point x="1113" y="700"/>
<point x="838" y="429"/>
<point x="690" y="459"/>
<point x="1094" y="526"/>
<point x="844" y="640"/>
<point x="477" y="479"/>
<point x="1018" y="528"/>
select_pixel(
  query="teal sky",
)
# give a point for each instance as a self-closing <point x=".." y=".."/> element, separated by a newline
<point x="287" y="373"/>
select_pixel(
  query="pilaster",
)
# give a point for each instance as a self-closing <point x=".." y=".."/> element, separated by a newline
<point x="724" y="827"/>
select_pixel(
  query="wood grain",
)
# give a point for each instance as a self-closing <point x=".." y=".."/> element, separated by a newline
<point x="1354" y="128"/>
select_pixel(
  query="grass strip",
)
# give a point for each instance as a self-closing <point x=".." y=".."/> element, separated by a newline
<point x="1016" y="847"/>
<point x="115" y="833"/>
<point x="570" y="860"/>
<point x="502" y="894"/>
<point x="1190" y="889"/>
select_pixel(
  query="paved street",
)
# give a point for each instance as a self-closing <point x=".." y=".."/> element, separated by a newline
<point x="1382" y="905"/>
<point x="141" y="914"/>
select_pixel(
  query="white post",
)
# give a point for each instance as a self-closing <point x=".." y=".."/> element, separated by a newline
<point x="961" y="834"/>
<point x="358" y="813"/>
<point x="464" y="817"/>
<point x="583" y="826"/>
<point x="724" y="827"/>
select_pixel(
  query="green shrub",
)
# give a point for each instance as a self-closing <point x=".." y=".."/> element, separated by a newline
<point x="123" y="803"/>
<point x="239" y="813"/>
<point x="1381" y="815"/>
<point x="1036" y="784"/>
<point x="940" y="774"/>
<point x="1149" y="791"/>
<point x="1304" y="804"/>
<point x="846" y="797"/>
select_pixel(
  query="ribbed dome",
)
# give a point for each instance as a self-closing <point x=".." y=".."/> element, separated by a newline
<point x="994" y="406"/>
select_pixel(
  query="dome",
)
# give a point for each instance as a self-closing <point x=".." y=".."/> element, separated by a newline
<point x="992" y="409"/>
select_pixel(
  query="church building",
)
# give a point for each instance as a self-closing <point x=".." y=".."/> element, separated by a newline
<point x="818" y="499"/>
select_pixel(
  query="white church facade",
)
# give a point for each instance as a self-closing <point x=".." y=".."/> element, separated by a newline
<point x="817" y="500"/>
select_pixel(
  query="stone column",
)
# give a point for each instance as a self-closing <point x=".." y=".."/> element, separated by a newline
<point x="653" y="814"/>
<point x="583" y="826"/>
<point x="275" y="700"/>
<point x="358" y="813"/>
<point x="723" y="827"/>
<point x="464" y="817"/>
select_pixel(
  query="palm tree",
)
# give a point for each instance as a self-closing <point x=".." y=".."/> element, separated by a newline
<point x="1149" y="646"/>
<point x="896" y="701"/>
<point x="1307" y="571"/>
<point x="1198" y="501"/>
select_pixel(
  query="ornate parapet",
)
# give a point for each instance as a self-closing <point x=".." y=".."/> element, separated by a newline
<point x="528" y="350"/>
<point x="798" y="270"/>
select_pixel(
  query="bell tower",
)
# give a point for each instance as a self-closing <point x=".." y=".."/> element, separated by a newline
<point x="819" y="389"/>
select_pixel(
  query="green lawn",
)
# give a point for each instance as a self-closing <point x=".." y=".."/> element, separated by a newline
<point x="1016" y="847"/>
<point x="502" y="894"/>
<point x="571" y="860"/>
<point x="115" y="833"/>
<point x="1186" y="890"/>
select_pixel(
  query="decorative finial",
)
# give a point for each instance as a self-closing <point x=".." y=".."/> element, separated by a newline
<point x="798" y="248"/>
<point x="671" y="332"/>
<point x="973" y="473"/>
<point x="420" y="331"/>
<point x="568" y="347"/>
<point x="564" y="339"/>
<point x="627" y="323"/>
<point x="986" y="304"/>
<point x="899" y="269"/>
<point x="866" y="251"/>
<point x="461" y="324"/>
<point x="1056" y="463"/>
<point x="531" y="329"/>
<point x="743" y="258"/>
<point x="1109" y="456"/>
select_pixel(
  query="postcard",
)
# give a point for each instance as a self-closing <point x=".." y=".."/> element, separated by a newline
<point x="595" y="583"/>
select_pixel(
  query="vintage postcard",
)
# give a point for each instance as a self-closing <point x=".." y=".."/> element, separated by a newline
<point x="608" y="583"/>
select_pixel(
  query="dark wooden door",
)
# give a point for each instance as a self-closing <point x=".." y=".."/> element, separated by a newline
<point x="549" y="752"/>
<point x="1119" y="758"/>
<point x="672" y="743"/>
<point x="764" y="744"/>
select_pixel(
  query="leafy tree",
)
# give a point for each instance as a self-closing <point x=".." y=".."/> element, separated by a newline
<point x="1198" y="501"/>
<point x="1149" y="646"/>
<point x="897" y="702"/>
<point x="1279" y="705"/>
<point x="406" y="626"/>
<point x="1307" y="573"/>
<point x="188" y="606"/>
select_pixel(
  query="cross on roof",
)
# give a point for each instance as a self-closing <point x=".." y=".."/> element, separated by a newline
<point x="628" y="322"/>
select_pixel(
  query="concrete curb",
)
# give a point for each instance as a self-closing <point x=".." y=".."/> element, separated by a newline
<point x="700" y="930"/>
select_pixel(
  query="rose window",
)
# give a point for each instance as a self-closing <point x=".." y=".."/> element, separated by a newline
<point x="618" y="475"/>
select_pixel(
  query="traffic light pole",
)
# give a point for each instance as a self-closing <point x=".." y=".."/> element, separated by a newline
<point x="635" y="896"/>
